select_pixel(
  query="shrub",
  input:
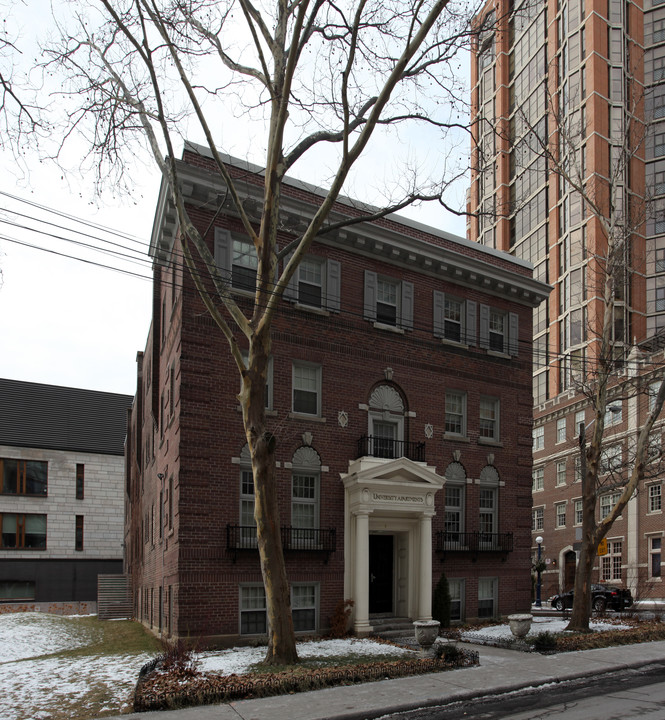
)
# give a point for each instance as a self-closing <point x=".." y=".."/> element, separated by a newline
<point x="449" y="653"/>
<point x="545" y="641"/>
<point x="441" y="602"/>
<point x="339" y="621"/>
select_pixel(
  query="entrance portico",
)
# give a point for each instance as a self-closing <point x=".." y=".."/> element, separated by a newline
<point x="389" y="498"/>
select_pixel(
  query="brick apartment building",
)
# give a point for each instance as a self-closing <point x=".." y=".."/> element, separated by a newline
<point x="61" y="491"/>
<point x="634" y="543"/>
<point x="601" y="65"/>
<point x="400" y="396"/>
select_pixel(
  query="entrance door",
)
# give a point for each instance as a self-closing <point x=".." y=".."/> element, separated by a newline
<point x="381" y="573"/>
<point x="569" y="566"/>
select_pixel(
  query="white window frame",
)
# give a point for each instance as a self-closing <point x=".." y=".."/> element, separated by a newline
<point x="578" y="512"/>
<point x="537" y="518"/>
<point x="607" y="503"/>
<point x="538" y="434"/>
<point x="457" y="590"/>
<point x="308" y="265"/>
<point x="491" y="404"/>
<point x="454" y="513"/>
<point x="296" y="380"/>
<point x="298" y="604"/>
<point x="488" y="514"/>
<point x="653" y="389"/>
<point x="247" y="538"/>
<point x="488" y="588"/>
<point x="610" y="565"/>
<point x="538" y="479"/>
<point x="249" y="597"/>
<point x="611" y="459"/>
<point x="561" y="430"/>
<point x="329" y="282"/>
<point x="655" y="498"/>
<point x="561" y="473"/>
<point x="560" y="515"/>
<point x="613" y="415"/>
<point x="655" y="557"/>
<point x="459" y="412"/>
<point x="403" y="301"/>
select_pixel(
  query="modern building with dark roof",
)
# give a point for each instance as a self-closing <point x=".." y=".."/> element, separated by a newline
<point x="61" y="490"/>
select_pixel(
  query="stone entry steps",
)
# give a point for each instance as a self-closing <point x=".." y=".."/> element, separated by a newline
<point x="389" y="627"/>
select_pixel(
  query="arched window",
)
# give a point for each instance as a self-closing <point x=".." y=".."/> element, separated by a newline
<point x="488" y="503"/>
<point x="386" y="423"/>
<point x="305" y="492"/>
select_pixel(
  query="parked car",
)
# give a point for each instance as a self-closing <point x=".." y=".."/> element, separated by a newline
<point x="602" y="597"/>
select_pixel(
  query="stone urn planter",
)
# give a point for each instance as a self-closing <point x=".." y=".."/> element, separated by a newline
<point x="520" y="625"/>
<point x="427" y="632"/>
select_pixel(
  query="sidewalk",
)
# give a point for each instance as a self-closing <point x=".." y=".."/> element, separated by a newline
<point x="500" y="671"/>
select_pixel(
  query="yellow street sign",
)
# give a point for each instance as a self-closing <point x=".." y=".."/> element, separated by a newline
<point x="602" y="547"/>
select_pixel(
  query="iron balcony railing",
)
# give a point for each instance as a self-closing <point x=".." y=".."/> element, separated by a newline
<point x="473" y="542"/>
<point x="372" y="446"/>
<point x="243" y="537"/>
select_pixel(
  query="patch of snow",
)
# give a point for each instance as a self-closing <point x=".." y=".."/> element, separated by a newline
<point x="538" y="625"/>
<point x="30" y="634"/>
<point x="238" y="660"/>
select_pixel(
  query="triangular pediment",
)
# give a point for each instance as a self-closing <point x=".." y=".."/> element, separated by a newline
<point x="401" y="471"/>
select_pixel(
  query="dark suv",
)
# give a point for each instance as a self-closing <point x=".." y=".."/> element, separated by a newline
<point x="602" y="597"/>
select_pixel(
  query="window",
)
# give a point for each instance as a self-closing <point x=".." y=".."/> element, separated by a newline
<point x="316" y="283"/>
<point x="305" y="481"/>
<point x="655" y="498"/>
<point x="80" y="480"/>
<point x="455" y="413"/>
<point x="611" y="459"/>
<point x="487" y="511"/>
<point x="538" y="434"/>
<point x="579" y="512"/>
<point x="613" y="415"/>
<point x="23" y="531"/>
<point x="79" y="533"/>
<point x="561" y="473"/>
<point x="578" y="468"/>
<point x="303" y="607"/>
<point x="253" y="611"/>
<point x="456" y="590"/>
<point x="454" y="513"/>
<point x="538" y="479"/>
<point x="236" y="259"/>
<point x="307" y="389"/>
<point x="607" y="503"/>
<point x="454" y="319"/>
<point x="579" y="419"/>
<point x="487" y="597"/>
<point x="560" y="513"/>
<point x="655" y="545"/>
<point x="388" y="301"/>
<point x="247" y="520"/>
<point x="254" y="615"/>
<point x="653" y="392"/>
<point x="23" y="477"/>
<point x="498" y="330"/>
<point x="610" y="566"/>
<point x="489" y="419"/>
<point x="170" y="504"/>
<point x="16" y="590"/>
<point x="561" y="430"/>
<point x="537" y="519"/>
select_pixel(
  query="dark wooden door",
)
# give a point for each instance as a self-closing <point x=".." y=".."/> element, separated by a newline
<point x="381" y="573"/>
<point x="570" y="564"/>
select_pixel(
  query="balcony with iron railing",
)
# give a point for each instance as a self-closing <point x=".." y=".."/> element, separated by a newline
<point x="321" y="540"/>
<point x="379" y="447"/>
<point x="474" y="542"/>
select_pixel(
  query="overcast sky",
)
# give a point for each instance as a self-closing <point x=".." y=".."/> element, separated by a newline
<point x="80" y="324"/>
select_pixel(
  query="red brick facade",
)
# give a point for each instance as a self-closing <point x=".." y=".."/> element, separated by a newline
<point x="186" y="439"/>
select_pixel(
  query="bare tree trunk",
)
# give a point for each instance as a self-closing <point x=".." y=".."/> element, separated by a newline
<point x="281" y="638"/>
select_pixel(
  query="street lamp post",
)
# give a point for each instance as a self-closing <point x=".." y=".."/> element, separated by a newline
<point x="539" y="541"/>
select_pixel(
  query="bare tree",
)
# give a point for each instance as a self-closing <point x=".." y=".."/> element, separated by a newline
<point x="616" y="216"/>
<point x="319" y="75"/>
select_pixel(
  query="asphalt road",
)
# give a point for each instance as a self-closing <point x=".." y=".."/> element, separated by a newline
<point x="621" y="696"/>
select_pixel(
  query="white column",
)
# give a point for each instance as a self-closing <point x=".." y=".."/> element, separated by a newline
<point x="361" y="599"/>
<point x="425" y="569"/>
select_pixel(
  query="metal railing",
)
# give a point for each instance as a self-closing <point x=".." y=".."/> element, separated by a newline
<point x="372" y="446"/>
<point x="243" y="537"/>
<point x="473" y="542"/>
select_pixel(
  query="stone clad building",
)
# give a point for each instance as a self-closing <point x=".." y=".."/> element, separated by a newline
<point x="399" y="393"/>
<point x="61" y="497"/>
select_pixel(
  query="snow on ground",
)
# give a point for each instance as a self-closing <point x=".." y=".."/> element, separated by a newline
<point x="538" y="625"/>
<point x="30" y="634"/>
<point x="238" y="660"/>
